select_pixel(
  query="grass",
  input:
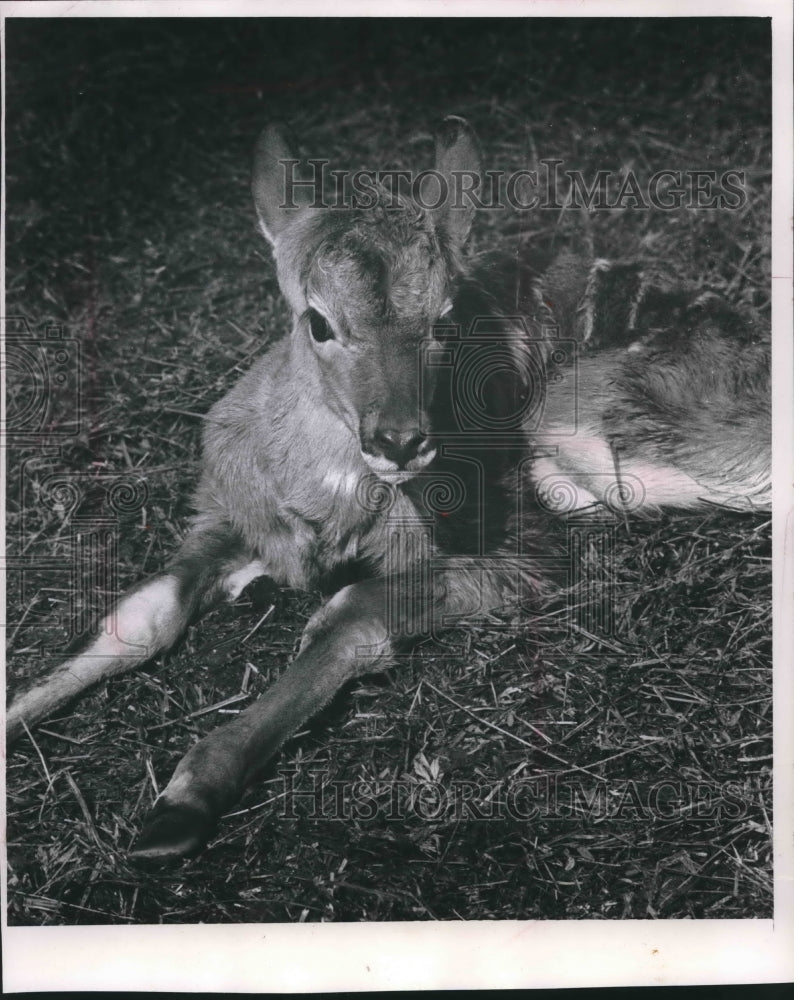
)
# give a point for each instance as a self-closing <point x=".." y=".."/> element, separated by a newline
<point x="514" y="772"/>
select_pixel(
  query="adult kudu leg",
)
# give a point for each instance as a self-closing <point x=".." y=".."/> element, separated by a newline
<point x="210" y="565"/>
<point x="356" y="632"/>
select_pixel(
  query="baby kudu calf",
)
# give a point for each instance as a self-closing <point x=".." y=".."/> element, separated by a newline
<point x="377" y="441"/>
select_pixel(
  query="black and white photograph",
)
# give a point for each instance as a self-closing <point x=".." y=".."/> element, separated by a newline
<point x="389" y="457"/>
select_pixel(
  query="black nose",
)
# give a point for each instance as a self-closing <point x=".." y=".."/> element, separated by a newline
<point x="400" y="446"/>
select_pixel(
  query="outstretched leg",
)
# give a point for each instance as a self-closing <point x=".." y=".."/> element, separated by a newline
<point x="211" y="564"/>
<point x="356" y="632"/>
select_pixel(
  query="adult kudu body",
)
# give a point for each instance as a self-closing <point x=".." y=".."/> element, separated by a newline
<point x="405" y="438"/>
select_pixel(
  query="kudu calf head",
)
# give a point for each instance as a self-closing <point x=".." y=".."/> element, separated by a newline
<point x="366" y="285"/>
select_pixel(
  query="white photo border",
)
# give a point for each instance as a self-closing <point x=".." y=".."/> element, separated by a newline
<point x="508" y="954"/>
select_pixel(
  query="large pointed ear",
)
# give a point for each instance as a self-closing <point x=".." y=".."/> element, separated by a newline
<point x="273" y="181"/>
<point x="458" y="158"/>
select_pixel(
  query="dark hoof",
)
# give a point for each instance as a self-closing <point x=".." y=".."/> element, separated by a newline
<point x="172" y="832"/>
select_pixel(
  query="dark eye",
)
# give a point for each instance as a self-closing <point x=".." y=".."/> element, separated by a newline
<point x="319" y="326"/>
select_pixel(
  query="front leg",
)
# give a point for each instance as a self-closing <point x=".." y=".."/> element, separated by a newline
<point x="212" y="564"/>
<point x="356" y="632"/>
